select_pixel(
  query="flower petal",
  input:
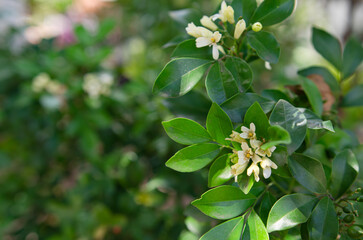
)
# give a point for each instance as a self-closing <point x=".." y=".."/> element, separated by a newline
<point x="253" y="127"/>
<point x="266" y="172"/>
<point x="202" y="42"/>
<point x="215" y="52"/>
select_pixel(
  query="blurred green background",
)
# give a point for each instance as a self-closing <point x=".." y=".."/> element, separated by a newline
<point x="82" y="149"/>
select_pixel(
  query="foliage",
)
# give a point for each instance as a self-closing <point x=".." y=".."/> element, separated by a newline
<point x="303" y="190"/>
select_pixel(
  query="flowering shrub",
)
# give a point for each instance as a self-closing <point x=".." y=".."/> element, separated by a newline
<point x="307" y="183"/>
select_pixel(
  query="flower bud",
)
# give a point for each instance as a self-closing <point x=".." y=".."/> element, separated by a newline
<point x="346" y="209"/>
<point x="207" y="22"/>
<point x="240" y="27"/>
<point x="257" y="26"/>
<point x="355" y="232"/>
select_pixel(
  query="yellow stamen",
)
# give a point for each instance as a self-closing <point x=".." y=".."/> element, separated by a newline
<point x="250" y="134"/>
<point x="212" y="39"/>
<point x="248" y="155"/>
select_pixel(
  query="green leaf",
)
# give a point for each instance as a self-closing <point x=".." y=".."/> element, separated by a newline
<point x="267" y="202"/>
<point x="186" y="131"/>
<point x="273" y="11"/>
<point x="229" y="230"/>
<point x="345" y="170"/>
<point x="219" y="125"/>
<point x="244" y="8"/>
<point x="276" y="135"/>
<point x="193" y="105"/>
<point x="289" y="211"/>
<point x="274" y="95"/>
<point x="354" y="97"/>
<point x="245" y="182"/>
<point x="185" y="16"/>
<point x="323" y="223"/>
<point x="314" y="122"/>
<point x="240" y="71"/>
<point x="255" y="228"/>
<point x="352" y="57"/>
<point x="291" y="119"/>
<point x="265" y="45"/>
<point x="325" y="74"/>
<point x="220" y="83"/>
<point x="220" y="171"/>
<point x="328" y="46"/>
<point x="180" y="75"/>
<point x="314" y="96"/>
<point x="236" y="107"/>
<point x="256" y="115"/>
<point x="308" y="172"/>
<point x="188" y="48"/>
<point x="224" y="202"/>
<point x="193" y="158"/>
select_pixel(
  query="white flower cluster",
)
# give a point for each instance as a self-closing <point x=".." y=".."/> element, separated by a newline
<point x="205" y="37"/>
<point x="96" y="84"/>
<point x="43" y="82"/>
<point x="251" y="150"/>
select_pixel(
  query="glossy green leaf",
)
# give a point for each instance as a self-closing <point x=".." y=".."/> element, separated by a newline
<point x="304" y="231"/>
<point x="354" y="97"/>
<point x="308" y="172"/>
<point x="290" y="211"/>
<point x="224" y="202"/>
<point x="185" y="16"/>
<point x="220" y="171"/>
<point x="266" y="204"/>
<point x="255" y="228"/>
<point x="229" y="230"/>
<point x="290" y="118"/>
<point x="314" y="96"/>
<point x="219" y="125"/>
<point x="244" y="8"/>
<point x="256" y="115"/>
<point x="274" y="95"/>
<point x="240" y="71"/>
<point x="236" y="107"/>
<point x="345" y="170"/>
<point x="328" y="46"/>
<point x="220" y="83"/>
<point x="194" y="157"/>
<point x="273" y="11"/>
<point x="188" y="48"/>
<point x="180" y="75"/>
<point x="265" y="45"/>
<point x="323" y="223"/>
<point x="352" y="57"/>
<point x="245" y="182"/>
<point x="186" y="131"/>
<point x="325" y="74"/>
<point x="314" y="122"/>
<point x="276" y="135"/>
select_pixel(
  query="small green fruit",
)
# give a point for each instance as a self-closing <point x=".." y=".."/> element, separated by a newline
<point x="355" y="232"/>
<point x="348" y="218"/>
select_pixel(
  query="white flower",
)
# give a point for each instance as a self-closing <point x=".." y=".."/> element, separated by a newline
<point x="257" y="26"/>
<point x="210" y="40"/>
<point x="238" y="168"/>
<point x="267" y="152"/>
<point x="55" y="88"/>
<point x="235" y="137"/>
<point x="255" y="144"/>
<point x="197" y="32"/>
<point x="266" y="165"/>
<point x="225" y="14"/>
<point x="207" y="22"/>
<point x="246" y="154"/>
<point x="249" y="133"/>
<point x="255" y="170"/>
<point x="40" y="82"/>
<point x="239" y="29"/>
<point x="268" y="66"/>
